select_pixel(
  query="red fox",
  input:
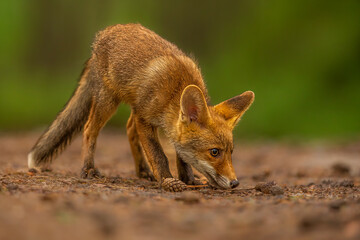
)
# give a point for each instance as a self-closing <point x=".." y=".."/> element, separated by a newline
<point x="165" y="89"/>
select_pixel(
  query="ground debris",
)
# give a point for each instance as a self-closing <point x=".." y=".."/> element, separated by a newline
<point x="315" y="220"/>
<point x="114" y="180"/>
<point x="32" y="171"/>
<point x="315" y="203"/>
<point x="342" y="183"/>
<point x="269" y="188"/>
<point x="105" y="222"/>
<point x="12" y="187"/>
<point x="188" y="197"/>
<point x="48" y="197"/>
<point x="173" y="185"/>
<point x="337" y="204"/>
<point x="340" y="169"/>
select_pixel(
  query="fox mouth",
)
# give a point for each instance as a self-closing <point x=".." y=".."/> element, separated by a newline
<point x="214" y="182"/>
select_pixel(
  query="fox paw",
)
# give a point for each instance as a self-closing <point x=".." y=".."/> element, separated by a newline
<point x="196" y="182"/>
<point x="89" y="173"/>
<point x="147" y="175"/>
<point x="173" y="185"/>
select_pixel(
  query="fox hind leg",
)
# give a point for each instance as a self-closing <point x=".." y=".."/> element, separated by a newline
<point x="141" y="166"/>
<point x="100" y="113"/>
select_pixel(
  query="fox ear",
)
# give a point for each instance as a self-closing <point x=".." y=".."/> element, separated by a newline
<point x="233" y="108"/>
<point x="193" y="105"/>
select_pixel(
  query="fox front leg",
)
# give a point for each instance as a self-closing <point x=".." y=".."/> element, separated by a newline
<point x="185" y="172"/>
<point x="155" y="155"/>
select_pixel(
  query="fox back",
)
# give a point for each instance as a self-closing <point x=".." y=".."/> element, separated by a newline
<point x="143" y="70"/>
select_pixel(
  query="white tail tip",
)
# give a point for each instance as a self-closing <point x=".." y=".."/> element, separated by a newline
<point x="31" y="160"/>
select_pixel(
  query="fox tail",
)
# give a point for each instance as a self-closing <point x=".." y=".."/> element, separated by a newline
<point x="67" y="124"/>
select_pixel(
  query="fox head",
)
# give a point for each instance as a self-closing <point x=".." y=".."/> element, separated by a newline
<point x="205" y="138"/>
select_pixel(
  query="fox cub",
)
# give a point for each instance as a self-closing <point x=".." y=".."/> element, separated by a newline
<point x="164" y="87"/>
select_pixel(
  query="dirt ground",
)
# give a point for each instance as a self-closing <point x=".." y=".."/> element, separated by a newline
<point x="317" y="195"/>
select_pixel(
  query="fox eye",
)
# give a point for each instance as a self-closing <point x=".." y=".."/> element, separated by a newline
<point x="214" y="152"/>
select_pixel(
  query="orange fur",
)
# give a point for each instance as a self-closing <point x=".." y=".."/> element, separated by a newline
<point x="165" y="89"/>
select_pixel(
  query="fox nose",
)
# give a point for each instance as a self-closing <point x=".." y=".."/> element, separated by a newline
<point x="234" y="183"/>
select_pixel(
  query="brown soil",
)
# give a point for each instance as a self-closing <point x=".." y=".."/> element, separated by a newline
<point x="315" y="195"/>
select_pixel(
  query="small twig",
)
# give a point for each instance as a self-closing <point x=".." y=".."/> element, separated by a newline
<point x="221" y="190"/>
<point x="234" y="190"/>
<point x="241" y="189"/>
<point x="196" y="186"/>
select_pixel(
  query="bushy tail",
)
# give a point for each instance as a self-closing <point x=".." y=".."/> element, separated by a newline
<point x="67" y="124"/>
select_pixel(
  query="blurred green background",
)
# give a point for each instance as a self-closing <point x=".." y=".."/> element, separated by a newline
<point x="301" y="58"/>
